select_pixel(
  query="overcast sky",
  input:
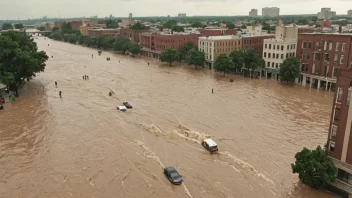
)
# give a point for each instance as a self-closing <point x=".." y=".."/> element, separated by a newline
<point x="24" y="9"/>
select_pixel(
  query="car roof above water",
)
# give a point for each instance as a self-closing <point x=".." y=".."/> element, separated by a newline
<point x="210" y="142"/>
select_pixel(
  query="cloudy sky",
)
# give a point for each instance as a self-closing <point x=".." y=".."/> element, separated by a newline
<point x="23" y="9"/>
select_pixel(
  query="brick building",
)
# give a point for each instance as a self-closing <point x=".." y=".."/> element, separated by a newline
<point x="217" y="32"/>
<point x="325" y="23"/>
<point x="111" y="33"/>
<point x="213" y="46"/>
<point x="255" y="42"/>
<point x="321" y="55"/>
<point x="152" y="43"/>
<point x="339" y="143"/>
<point x="132" y="34"/>
<point x="74" y="24"/>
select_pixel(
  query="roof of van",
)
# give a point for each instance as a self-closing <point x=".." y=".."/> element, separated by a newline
<point x="210" y="142"/>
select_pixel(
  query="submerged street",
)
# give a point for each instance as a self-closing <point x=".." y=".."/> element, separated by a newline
<point x="81" y="146"/>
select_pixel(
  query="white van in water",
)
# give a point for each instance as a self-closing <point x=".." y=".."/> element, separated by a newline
<point x="210" y="145"/>
<point x="121" y="108"/>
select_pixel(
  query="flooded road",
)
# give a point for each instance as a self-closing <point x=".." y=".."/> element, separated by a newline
<point x="80" y="146"/>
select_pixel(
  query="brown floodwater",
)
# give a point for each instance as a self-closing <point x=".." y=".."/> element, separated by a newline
<point x="81" y="146"/>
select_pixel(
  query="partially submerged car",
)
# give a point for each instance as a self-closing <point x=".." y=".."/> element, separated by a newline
<point x="210" y="145"/>
<point x="126" y="104"/>
<point x="121" y="108"/>
<point x="172" y="175"/>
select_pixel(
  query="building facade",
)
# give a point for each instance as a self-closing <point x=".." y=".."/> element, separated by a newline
<point x="111" y="33"/>
<point x="339" y="142"/>
<point x="271" y="12"/>
<point x="218" y="32"/>
<point x="276" y="50"/>
<point x="74" y="24"/>
<point x="213" y="46"/>
<point x="326" y="14"/>
<point x="321" y="55"/>
<point x="132" y="34"/>
<point x="153" y="43"/>
<point x="349" y="13"/>
<point x="253" y="13"/>
<point x="255" y="42"/>
<point x="182" y="15"/>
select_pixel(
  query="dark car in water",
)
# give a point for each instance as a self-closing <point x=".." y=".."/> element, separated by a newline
<point x="172" y="175"/>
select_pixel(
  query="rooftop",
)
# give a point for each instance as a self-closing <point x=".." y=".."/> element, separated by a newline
<point x="210" y="142"/>
<point x="336" y="33"/>
<point x="218" y="38"/>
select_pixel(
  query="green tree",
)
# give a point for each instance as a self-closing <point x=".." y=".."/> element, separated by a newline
<point x="230" y="25"/>
<point x="121" y="44"/>
<point x="19" y="26"/>
<point x="66" y="28"/>
<point x="314" y="167"/>
<point x="237" y="57"/>
<point x="41" y="28"/>
<point x="138" y="26"/>
<point x="223" y="63"/>
<point x="252" y="60"/>
<point x="89" y="42"/>
<point x="302" y="22"/>
<point x="7" y="79"/>
<point x="244" y="26"/>
<point x="168" y="55"/>
<point x="197" y="24"/>
<point x="19" y="56"/>
<point x="112" y="23"/>
<point x="289" y="70"/>
<point x="134" y="48"/>
<point x="56" y="36"/>
<point x="196" y="58"/>
<point x="6" y="26"/>
<point x="177" y="28"/>
<point x="169" y="24"/>
<point x="55" y="29"/>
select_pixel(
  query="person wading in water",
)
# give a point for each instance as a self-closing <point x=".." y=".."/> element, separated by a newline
<point x="55" y="84"/>
<point x="60" y="94"/>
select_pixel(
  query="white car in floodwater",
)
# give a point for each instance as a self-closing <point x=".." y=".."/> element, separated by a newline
<point x="210" y="145"/>
<point x="121" y="108"/>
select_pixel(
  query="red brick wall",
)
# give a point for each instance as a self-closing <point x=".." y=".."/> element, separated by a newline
<point x="255" y="42"/>
<point x="210" y="32"/>
<point x="173" y="41"/>
<point x="320" y="65"/>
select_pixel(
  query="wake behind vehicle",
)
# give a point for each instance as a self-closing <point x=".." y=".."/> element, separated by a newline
<point x="210" y="145"/>
<point x="173" y="176"/>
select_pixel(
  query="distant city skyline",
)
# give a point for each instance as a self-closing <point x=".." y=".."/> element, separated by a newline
<point x="24" y="9"/>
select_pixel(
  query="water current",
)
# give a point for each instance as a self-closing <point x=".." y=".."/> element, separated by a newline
<point x="81" y="146"/>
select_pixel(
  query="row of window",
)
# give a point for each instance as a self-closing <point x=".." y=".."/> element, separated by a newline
<point x="221" y="43"/>
<point x="327" y="45"/>
<point x="273" y="65"/>
<point x="254" y="41"/>
<point x="277" y="56"/>
<point x="278" y="47"/>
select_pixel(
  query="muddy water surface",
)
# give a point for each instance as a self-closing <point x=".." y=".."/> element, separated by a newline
<point x="80" y="146"/>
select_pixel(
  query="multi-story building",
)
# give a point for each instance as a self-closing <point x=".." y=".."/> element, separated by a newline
<point x="133" y="34"/>
<point x="339" y="143"/>
<point x="254" y="38"/>
<point x="111" y="33"/>
<point x="48" y="26"/>
<point x="349" y="13"/>
<point x="325" y="23"/>
<point x="84" y="28"/>
<point x="153" y="43"/>
<point x="271" y="12"/>
<point x="321" y="55"/>
<point x="326" y="14"/>
<point x="182" y="15"/>
<point x="276" y="50"/>
<point x="253" y="13"/>
<point x="130" y="16"/>
<point x="74" y="24"/>
<point x="213" y="46"/>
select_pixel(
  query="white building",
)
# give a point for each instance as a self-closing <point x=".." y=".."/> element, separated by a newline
<point x="253" y="13"/>
<point x="276" y="50"/>
<point x="326" y="14"/>
<point x="271" y="12"/>
<point x="254" y="30"/>
<point x="349" y="13"/>
<point x="130" y="16"/>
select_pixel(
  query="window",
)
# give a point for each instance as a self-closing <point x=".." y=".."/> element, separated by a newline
<point x="272" y="65"/>
<point x="334" y="70"/>
<point x="288" y="46"/>
<point x="273" y="55"/>
<point x="286" y="55"/>
<point x="344" y="176"/>
<point x="333" y="132"/>
<point x="304" y="45"/>
<point x="294" y="46"/>
<point x="332" y="146"/>
<point x="282" y="48"/>
<point x="342" y="59"/>
<point x="327" y="57"/>
<point x="273" y="46"/>
<point x="310" y="45"/>
<point x="337" y="114"/>
<point x="337" y="46"/>
<point x="269" y="55"/>
<point x="277" y="65"/>
<point x="349" y="94"/>
<point x="268" y="64"/>
<point x="282" y="56"/>
<point x="264" y="54"/>
<point x="330" y="46"/>
<point x="343" y="47"/>
<point x="278" y="47"/>
<point x="277" y="56"/>
<point x="339" y="94"/>
<point x="336" y="58"/>
<point x="269" y="46"/>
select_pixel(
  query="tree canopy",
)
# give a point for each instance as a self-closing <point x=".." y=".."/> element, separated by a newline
<point x="20" y="59"/>
<point x="230" y="25"/>
<point x="41" y="28"/>
<point x="314" y="167"/>
<point x="6" y="26"/>
<point x="198" y="24"/>
<point x="177" y="28"/>
<point x="138" y="26"/>
<point x="121" y="44"/>
<point x="19" y="26"/>
<point x="169" y="24"/>
<point x="289" y="69"/>
<point x="237" y="57"/>
<point x="223" y="63"/>
<point x="183" y="50"/>
<point x="168" y="55"/>
<point x="196" y="58"/>
<point x="252" y="59"/>
<point x="134" y="48"/>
